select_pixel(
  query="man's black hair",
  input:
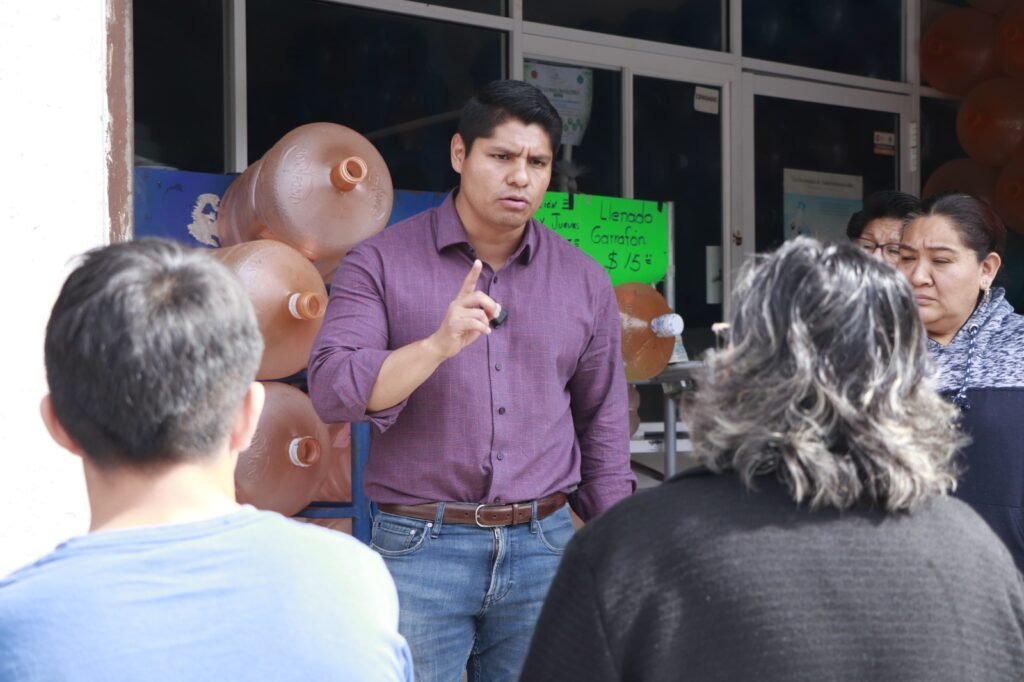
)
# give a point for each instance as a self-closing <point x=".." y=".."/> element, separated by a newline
<point x="500" y="101"/>
<point x="149" y="350"/>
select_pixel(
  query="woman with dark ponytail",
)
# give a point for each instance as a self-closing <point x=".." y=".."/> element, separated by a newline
<point x="951" y="252"/>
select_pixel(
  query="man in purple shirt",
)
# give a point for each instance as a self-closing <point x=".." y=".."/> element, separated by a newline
<point x="485" y="349"/>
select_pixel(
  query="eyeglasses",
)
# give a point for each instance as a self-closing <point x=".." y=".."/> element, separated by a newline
<point x="890" y="252"/>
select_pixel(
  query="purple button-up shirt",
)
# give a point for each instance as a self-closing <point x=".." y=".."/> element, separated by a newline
<point x="537" y="407"/>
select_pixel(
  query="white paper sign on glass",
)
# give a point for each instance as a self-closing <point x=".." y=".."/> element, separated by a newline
<point x="570" y="90"/>
<point x="705" y="100"/>
<point x="819" y="204"/>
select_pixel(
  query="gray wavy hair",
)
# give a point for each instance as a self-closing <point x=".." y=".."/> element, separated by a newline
<point x="826" y="382"/>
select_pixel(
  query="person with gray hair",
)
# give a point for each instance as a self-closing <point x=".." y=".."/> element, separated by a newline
<point x="151" y="351"/>
<point x="818" y="540"/>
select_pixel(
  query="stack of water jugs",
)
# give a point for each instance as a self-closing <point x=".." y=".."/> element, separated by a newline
<point x="284" y="225"/>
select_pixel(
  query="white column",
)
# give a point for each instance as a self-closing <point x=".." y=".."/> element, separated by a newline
<point x="55" y="126"/>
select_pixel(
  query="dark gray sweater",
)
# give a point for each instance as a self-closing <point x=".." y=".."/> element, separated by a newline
<point x="699" y="579"/>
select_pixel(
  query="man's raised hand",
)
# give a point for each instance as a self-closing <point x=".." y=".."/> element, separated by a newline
<point x="468" y="316"/>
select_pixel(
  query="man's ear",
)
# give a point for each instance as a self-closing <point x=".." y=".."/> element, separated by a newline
<point x="57" y="431"/>
<point x="248" y="418"/>
<point x="458" y="152"/>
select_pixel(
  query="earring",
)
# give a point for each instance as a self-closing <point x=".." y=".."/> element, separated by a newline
<point x="986" y="287"/>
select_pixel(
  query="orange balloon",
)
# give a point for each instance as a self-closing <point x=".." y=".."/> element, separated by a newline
<point x="990" y="6"/>
<point x="957" y="50"/>
<point x="961" y="175"/>
<point x="990" y="124"/>
<point x="648" y="336"/>
<point x="1010" y="42"/>
<point x="1009" y="194"/>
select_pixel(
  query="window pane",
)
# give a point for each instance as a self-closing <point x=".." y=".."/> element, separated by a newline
<point x="678" y="158"/>
<point x="938" y="134"/>
<point x="860" y="37"/>
<point x="401" y="81"/>
<point x="593" y="165"/>
<point x="831" y="140"/>
<point x="179" y="84"/>
<point x="697" y="23"/>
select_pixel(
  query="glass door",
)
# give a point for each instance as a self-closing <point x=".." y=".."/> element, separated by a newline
<point x="818" y="150"/>
<point x="677" y="157"/>
<point x="667" y="134"/>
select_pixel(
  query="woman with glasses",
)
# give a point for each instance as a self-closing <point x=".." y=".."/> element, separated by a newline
<point x="951" y="252"/>
<point x="876" y="228"/>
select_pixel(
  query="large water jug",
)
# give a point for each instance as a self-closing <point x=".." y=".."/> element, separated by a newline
<point x="337" y="483"/>
<point x="649" y="328"/>
<point x="990" y="123"/>
<point x="958" y="50"/>
<point x="289" y="297"/>
<point x="322" y="188"/>
<point x="284" y="466"/>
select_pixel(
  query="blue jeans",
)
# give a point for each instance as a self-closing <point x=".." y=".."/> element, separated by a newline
<point x="469" y="597"/>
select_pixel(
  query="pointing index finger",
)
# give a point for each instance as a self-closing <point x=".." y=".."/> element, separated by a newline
<point x="469" y="284"/>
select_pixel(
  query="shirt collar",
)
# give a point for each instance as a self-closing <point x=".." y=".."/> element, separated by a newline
<point x="449" y="231"/>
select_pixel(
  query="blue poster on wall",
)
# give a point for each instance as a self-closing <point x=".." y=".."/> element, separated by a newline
<point x="178" y="205"/>
<point x="182" y="205"/>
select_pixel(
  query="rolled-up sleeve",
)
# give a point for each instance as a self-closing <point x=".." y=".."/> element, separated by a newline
<point x="600" y="411"/>
<point x="352" y="344"/>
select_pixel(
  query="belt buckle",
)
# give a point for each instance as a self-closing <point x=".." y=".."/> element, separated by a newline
<point x="476" y="518"/>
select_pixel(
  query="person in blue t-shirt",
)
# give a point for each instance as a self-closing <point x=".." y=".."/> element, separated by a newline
<point x="151" y="350"/>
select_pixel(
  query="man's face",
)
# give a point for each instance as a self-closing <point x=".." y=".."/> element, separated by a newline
<point x="504" y="176"/>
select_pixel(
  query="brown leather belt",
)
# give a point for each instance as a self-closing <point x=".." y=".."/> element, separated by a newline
<point x="483" y="515"/>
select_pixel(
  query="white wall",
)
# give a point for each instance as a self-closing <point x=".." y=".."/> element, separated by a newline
<point x="53" y="205"/>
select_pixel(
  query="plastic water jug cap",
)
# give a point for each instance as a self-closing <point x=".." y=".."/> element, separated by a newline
<point x="304" y="452"/>
<point x="667" y="325"/>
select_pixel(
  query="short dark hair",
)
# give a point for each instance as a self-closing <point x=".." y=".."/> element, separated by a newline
<point x="974" y="220"/>
<point x="885" y="204"/>
<point x="150" y="349"/>
<point x="499" y="101"/>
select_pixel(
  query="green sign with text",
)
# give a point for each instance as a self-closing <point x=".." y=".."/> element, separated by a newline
<point x="628" y="237"/>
